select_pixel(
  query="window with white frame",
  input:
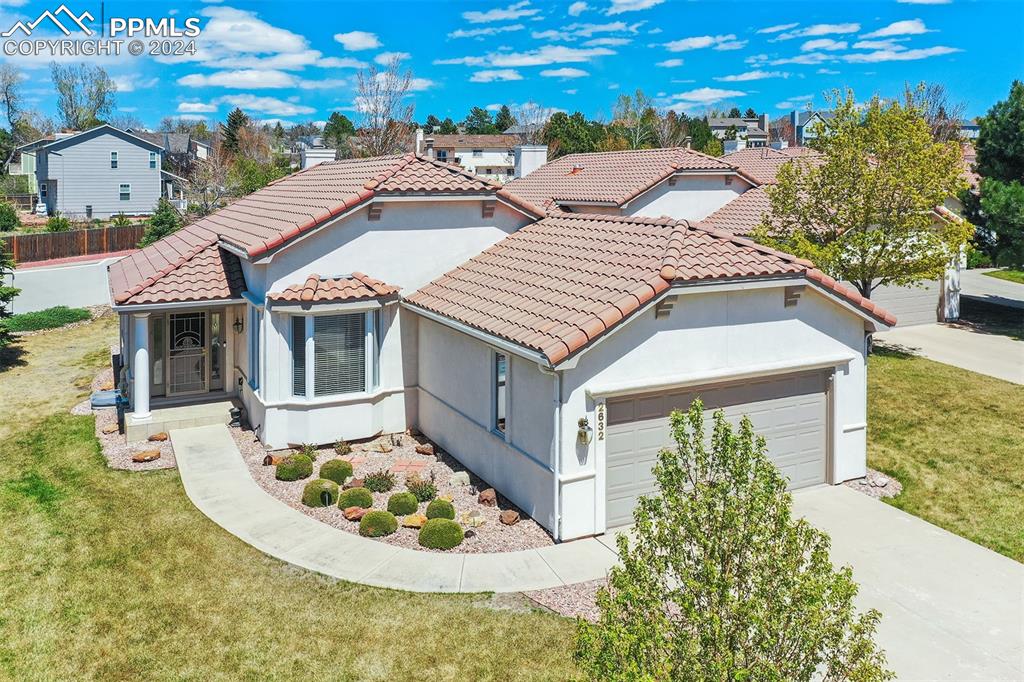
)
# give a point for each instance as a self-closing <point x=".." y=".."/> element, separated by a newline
<point x="344" y="353"/>
<point x="499" y="380"/>
<point x="42" y="190"/>
<point x="113" y="159"/>
<point x="124" y="192"/>
<point x="152" y="159"/>
<point x="478" y="152"/>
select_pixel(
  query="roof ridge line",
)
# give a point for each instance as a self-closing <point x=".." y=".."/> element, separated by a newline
<point x="150" y="281"/>
<point x="727" y="236"/>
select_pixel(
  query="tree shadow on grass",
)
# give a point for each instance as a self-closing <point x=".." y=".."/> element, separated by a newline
<point x="893" y="350"/>
<point x="989" y="318"/>
<point x="12" y="355"/>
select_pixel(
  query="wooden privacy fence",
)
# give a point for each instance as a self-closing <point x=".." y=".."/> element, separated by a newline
<point x="28" y="248"/>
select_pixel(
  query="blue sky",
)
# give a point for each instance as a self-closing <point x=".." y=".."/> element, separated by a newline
<point x="296" y="61"/>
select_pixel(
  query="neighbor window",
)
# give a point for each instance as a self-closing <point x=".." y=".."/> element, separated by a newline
<point x="152" y="159"/>
<point x="125" y="192"/>
<point x="499" y="379"/>
<point x="42" y="190"/>
<point x="113" y="159"/>
<point x="478" y="152"/>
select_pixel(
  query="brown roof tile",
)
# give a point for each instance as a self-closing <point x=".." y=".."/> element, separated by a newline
<point x="211" y="274"/>
<point x="558" y="284"/>
<point x="741" y="215"/>
<point x="763" y="163"/>
<point x="317" y="289"/>
<point x="478" y="141"/>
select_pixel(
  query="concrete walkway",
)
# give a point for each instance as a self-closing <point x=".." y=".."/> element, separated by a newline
<point x="218" y="482"/>
<point x="992" y="354"/>
<point x="977" y="285"/>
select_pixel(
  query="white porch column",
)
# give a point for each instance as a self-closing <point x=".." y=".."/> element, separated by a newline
<point x="140" y="367"/>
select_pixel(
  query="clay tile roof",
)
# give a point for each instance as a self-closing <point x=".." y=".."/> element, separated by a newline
<point x="612" y="177"/>
<point x="741" y="215"/>
<point x="211" y="274"/>
<point x="317" y="289"/>
<point x="763" y="163"/>
<point x="477" y="141"/>
<point x="558" y="284"/>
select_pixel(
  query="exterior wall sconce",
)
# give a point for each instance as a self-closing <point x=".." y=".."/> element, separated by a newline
<point x="238" y="326"/>
<point x="585" y="434"/>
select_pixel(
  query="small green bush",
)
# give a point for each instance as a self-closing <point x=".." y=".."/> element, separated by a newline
<point x="294" y="467"/>
<point x="355" y="497"/>
<point x="9" y="219"/>
<point x="58" y="223"/>
<point x="51" y="318"/>
<point x="380" y="481"/>
<point x="441" y="509"/>
<point x="440" y="534"/>
<point x="424" y="490"/>
<point x="342" y="447"/>
<point x="320" y="493"/>
<point x="401" y="504"/>
<point x="337" y="470"/>
<point x="309" y="450"/>
<point x="376" y="524"/>
<point x="120" y="220"/>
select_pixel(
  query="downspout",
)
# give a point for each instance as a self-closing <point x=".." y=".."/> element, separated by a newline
<point x="556" y="455"/>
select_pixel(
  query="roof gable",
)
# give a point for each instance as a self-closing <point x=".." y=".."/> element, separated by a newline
<point x="105" y="129"/>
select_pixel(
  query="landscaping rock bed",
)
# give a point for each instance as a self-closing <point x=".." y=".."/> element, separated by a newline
<point x="403" y="459"/>
<point x="876" y="485"/>
<point x="570" y="600"/>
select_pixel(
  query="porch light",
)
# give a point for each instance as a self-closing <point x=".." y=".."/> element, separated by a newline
<point x="237" y="326"/>
<point x="585" y="434"/>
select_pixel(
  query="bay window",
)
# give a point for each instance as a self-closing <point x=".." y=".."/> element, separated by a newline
<point x="334" y="354"/>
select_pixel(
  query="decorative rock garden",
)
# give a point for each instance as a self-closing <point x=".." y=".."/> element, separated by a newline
<point x="876" y="485"/>
<point x="398" y="489"/>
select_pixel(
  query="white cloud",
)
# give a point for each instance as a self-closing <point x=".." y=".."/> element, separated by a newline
<point x="707" y="95"/>
<point x="655" y="31"/>
<point x="909" y="27"/>
<point x="196" y="108"/>
<point x="564" y="72"/>
<point x="415" y="84"/>
<point x="341" y="63"/>
<point x="670" y="63"/>
<point x="493" y="107"/>
<point x="465" y="61"/>
<point x="572" y="91"/>
<point x="613" y="86"/>
<point x="191" y="117"/>
<point x="358" y="40"/>
<point x="698" y="42"/>
<point x="731" y="45"/>
<point x="607" y="42"/>
<point x="778" y="28"/>
<point x="889" y="44"/>
<point x="900" y="55"/>
<point x="808" y="58"/>
<point x="274" y="121"/>
<point x="752" y="76"/>
<point x="620" y="6"/>
<point x="132" y="82"/>
<point x="578" y="8"/>
<point x="827" y="72"/>
<point x="385" y="58"/>
<point x="241" y="79"/>
<point x="265" y="105"/>
<point x="797" y="102"/>
<point x="242" y="31"/>
<point x="819" y="30"/>
<point x="323" y="84"/>
<point x="549" y="54"/>
<point x="491" y="75"/>
<point x="824" y="44"/>
<point x="486" y="31"/>
<point x="515" y="11"/>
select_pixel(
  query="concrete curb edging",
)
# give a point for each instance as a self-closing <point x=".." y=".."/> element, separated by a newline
<point x="218" y="483"/>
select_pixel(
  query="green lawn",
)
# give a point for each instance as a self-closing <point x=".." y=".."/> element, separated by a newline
<point x="955" y="440"/>
<point x="1008" y="274"/>
<point x="116" y="576"/>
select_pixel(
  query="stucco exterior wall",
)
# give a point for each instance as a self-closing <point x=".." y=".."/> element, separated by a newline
<point x="693" y="197"/>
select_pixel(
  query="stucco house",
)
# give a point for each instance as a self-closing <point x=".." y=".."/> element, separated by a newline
<point x="541" y="347"/>
<point x="489" y="156"/>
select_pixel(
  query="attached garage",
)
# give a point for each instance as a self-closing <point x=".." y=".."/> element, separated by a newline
<point x="790" y="411"/>
<point x="911" y="305"/>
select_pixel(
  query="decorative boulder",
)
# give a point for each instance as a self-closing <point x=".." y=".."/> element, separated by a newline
<point x="109" y="429"/>
<point x="460" y="478"/>
<point x="272" y="460"/>
<point x="488" y="498"/>
<point x="354" y="513"/>
<point x="158" y="437"/>
<point x="294" y="467"/>
<point x="377" y="523"/>
<point x="402" y="503"/>
<point x="440" y="509"/>
<point x="473" y="520"/>
<point x="337" y="470"/>
<point x="440" y="534"/>
<point x="145" y="456"/>
<point x="425" y="449"/>
<point x="354" y="483"/>
<point x="355" y="497"/>
<point x="509" y="517"/>
<point x="320" y="493"/>
<point x="414" y="521"/>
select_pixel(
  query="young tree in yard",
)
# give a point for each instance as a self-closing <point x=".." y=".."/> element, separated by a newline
<point x="85" y="94"/>
<point x="721" y="581"/>
<point x="504" y="119"/>
<point x="7" y="294"/>
<point x="236" y="122"/>
<point x="863" y="212"/>
<point x="633" y="121"/>
<point x="164" y="221"/>
<point x="385" y="115"/>
<point x="208" y="184"/>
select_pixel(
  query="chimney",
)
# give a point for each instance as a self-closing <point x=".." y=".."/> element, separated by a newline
<point x="763" y="121"/>
<point x="795" y="139"/>
<point x="429" y="142"/>
<point x="419" y="141"/>
<point x="528" y="158"/>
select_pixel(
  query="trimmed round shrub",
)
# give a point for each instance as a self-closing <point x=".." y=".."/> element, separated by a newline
<point x="402" y="504"/>
<point x="9" y="219"/>
<point x="355" y="497"/>
<point x="440" y="534"/>
<point x="377" y="524"/>
<point x="337" y="470"/>
<point x="294" y="467"/>
<point x="320" y="493"/>
<point x="440" y="509"/>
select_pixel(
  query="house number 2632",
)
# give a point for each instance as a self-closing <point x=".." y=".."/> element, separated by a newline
<point x="600" y="421"/>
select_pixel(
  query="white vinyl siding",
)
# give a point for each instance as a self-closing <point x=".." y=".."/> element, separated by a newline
<point x="113" y="160"/>
<point x="339" y="354"/>
<point x="124" y="191"/>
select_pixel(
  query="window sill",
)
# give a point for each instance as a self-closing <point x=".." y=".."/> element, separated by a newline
<point x="340" y="399"/>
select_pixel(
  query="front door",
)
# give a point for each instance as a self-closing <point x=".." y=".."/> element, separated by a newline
<point x="187" y="354"/>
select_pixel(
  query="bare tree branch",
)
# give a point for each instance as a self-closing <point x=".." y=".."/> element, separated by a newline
<point x="386" y="118"/>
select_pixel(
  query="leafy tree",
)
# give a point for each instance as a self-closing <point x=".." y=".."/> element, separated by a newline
<point x="702" y="139"/>
<point x="479" y="122"/>
<point x="338" y="127"/>
<point x="248" y="175"/>
<point x="432" y="124"/>
<point x="865" y="212"/>
<point x="9" y="219"/>
<point x="999" y="206"/>
<point x="164" y="221"/>
<point x="85" y="94"/>
<point x="750" y="113"/>
<point x="448" y="127"/>
<point x="236" y="122"/>
<point x="566" y="134"/>
<point x="721" y="582"/>
<point x="7" y="295"/>
<point x="1000" y="145"/>
<point x="58" y="223"/>
<point x="634" y="120"/>
<point x="730" y="133"/>
<point x="734" y="112"/>
<point x="504" y="120"/>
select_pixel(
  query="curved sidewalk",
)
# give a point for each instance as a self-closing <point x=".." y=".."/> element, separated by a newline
<point x="218" y="482"/>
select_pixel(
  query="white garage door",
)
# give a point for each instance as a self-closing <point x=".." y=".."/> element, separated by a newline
<point x="910" y="305"/>
<point x="789" y="411"/>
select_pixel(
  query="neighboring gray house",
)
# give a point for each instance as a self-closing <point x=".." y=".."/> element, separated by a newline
<point x="799" y="127"/>
<point x="751" y="130"/>
<point x="99" y="173"/>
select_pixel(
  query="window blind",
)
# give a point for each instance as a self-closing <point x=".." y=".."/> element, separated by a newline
<point x="339" y="346"/>
<point x="298" y="355"/>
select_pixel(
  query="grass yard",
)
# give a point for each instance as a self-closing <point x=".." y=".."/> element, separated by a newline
<point x="116" y="576"/>
<point x="955" y="440"/>
<point x="1009" y="274"/>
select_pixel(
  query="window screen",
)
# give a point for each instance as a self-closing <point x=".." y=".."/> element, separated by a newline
<point x="298" y="355"/>
<point x="500" y="375"/>
<point x="339" y="343"/>
<point x="113" y="159"/>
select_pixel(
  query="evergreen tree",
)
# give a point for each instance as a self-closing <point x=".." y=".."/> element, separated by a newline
<point x="448" y="127"/>
<point x="750" y="113"/>
<point x="734" y="112"/>
<point x="701" y="137"/>
<point x="7" y="294"/>
<point x="504" y="120"/>
<point x="164" y="221"/>
<point x="235" y="122"/>
<point x="432" y="125"/>
<point x="566" y="134"/>
<point x="478" y="122"/>
<point x="338" y="127"/>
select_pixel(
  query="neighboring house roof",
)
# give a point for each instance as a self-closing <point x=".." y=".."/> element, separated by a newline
<point x="207" y="274"/>
<point x="473" y="141"/>
<point x="295" y="204"/>
<point x="174" y="143"/>
<point x="317" y="289"/>
<point x="559" y="284"/>
<point x="763" y="163"/>
<point x="741" y="215"/>
<point x="73" y="139"/>
<point x="608" y="177"/>
<point x="970" y="159"/>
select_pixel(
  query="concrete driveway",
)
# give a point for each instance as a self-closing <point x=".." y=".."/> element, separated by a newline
<point x="951" y="609"/>
<point x="992" y="354"/>
<point x="977" y="285"/>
